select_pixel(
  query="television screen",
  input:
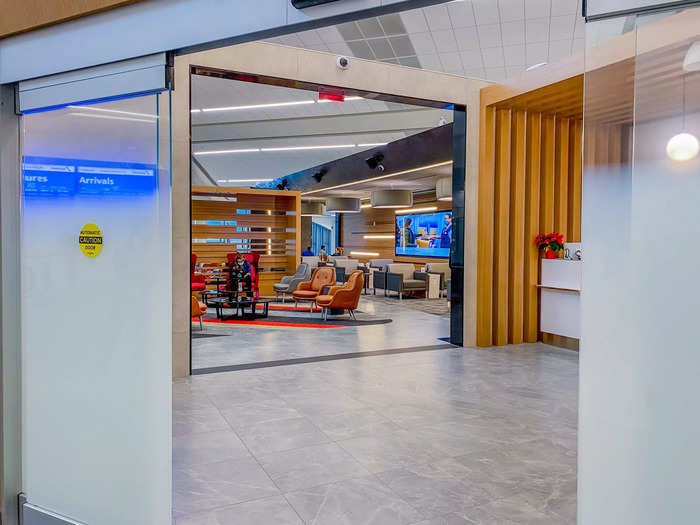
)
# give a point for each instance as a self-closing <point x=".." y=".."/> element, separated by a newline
<point x="424" y="234"/>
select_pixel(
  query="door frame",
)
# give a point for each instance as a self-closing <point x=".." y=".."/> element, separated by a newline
<point x="304" y="66"/>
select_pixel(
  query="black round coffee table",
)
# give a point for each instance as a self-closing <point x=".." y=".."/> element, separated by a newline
<point x="243" y="307"/>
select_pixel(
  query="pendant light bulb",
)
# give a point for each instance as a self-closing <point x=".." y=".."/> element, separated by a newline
<point x="682" y="147"/>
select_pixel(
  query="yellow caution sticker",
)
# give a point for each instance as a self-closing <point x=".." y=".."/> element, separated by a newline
<point x="90" y="240"/>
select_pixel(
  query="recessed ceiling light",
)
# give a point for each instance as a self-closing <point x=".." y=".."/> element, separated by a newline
<point x="221" y="151"/>
<point x="244" y="180"/>
<point x="535" y="66"/>
<point x="262" y="106"/>
<point x="113" y="117"/>
<point x="417" y="210"/>
<point x="115" y="111"/>
<point x="297" y="148"/>
<point x="379" y="177"/>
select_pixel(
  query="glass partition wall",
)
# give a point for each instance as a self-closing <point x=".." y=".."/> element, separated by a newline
<point x="96" y="304"/>
<point x="638" y="459"/>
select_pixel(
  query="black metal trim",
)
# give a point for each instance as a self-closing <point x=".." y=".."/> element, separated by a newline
<point x="459" y="164"/>
<point x="303" y="4"/>
<point x="319" y="358"/>
<point x="669" y="6"/>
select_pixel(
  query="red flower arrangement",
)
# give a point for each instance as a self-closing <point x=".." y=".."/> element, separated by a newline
<point x="552" y="244"/>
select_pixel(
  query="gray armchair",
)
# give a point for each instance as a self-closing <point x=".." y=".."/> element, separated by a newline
<point x="443" y="270"/>
<point x="402" y="278"/>
<point x="290" y="283"/>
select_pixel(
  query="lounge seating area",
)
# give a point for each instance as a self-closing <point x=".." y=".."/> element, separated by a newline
<point x="290" y="283"/>
<point x="401" y="278"/>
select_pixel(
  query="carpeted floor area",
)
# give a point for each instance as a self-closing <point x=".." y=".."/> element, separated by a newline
<point x="428" y="306"/>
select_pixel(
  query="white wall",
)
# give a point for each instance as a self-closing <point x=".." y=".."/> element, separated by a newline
<point x="154" y="26"/>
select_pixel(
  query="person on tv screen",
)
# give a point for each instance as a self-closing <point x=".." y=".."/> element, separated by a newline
<point x="446" y="234"/>
<point x="408" y="238"/>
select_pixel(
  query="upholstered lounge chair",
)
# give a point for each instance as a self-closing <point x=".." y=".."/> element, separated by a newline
<point x="198" y="282"/>
<point x="290" y="283"/>
<point x="441" y="269"/>
<point x="344" y="297"/>
<point x="403" y="278"/>
<point x="309" y="290"/>
<point x="198" y="310"/>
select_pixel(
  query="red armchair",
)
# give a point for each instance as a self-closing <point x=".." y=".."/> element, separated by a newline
<point x="254" y="260"/>
<point x="198" y="281"/>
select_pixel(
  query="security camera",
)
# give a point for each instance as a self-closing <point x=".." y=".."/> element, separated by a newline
<point x="342" y="62"/>
<point x="375" y="161"/>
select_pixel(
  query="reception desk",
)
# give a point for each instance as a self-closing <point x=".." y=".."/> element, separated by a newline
<point x="560" y="310"/>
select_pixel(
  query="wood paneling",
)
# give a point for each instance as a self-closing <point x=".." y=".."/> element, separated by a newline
<point x="268" y="229"/>
<point x="353" y="228"/>
<point x="529" y="183"/>
<point x="19" y="16"/>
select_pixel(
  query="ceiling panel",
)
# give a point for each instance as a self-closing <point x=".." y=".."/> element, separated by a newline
<point x="436" y="32"/>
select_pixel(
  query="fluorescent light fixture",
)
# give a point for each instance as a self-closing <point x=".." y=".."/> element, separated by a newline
<point x="299" y="148"/>
<point x="115" y="111"/>
<point x="378" y="236"/>
<point x="221" y="151"/>
<point x="416" y="210"/>
<point x="261" y="106"/>
<point x="346" y="100"/>
<point x="368" y="254"/>
<point x="396" y="174"/>
<point x="366" y="205"/>
<point x="113" y="117"/>
<point x="372" y="144"/>
<point x="244" y="180"/>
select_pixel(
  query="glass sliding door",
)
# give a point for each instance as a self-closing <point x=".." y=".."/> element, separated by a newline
<point x="96" y="311"/>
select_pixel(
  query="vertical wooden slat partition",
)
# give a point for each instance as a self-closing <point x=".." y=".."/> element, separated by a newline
<point x="529" y="183"/>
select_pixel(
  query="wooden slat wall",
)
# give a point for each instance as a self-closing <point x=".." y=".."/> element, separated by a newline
<point x="529" y="183"/>
<point x="25" y="15"/>
<point x="353" y="227"/>
<point x="277" y="236"/>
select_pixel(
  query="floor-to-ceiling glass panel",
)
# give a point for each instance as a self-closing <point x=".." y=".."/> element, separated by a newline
<point x="96" y="312"/>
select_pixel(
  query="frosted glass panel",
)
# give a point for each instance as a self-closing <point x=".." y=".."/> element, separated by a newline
<point x="638" y="437"/>
<point x="96" y="313"/>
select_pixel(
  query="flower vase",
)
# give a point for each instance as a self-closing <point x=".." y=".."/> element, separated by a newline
<point x="550" y="254"/>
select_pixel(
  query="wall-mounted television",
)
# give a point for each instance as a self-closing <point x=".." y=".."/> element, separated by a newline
<point x="424" y="234"/>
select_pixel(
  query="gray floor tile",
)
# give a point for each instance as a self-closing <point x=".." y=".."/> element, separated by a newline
<point x="209" y="486"/>
<point x="281" y="434"/>
<point x="435" y="493"/>
<point x="244" y="415"/>
<point x="275" y="510"/>
<point x="391" y="451"/>
<point x="311" y="466"/>
<point x="198" y="420"/>
<point x="360" y="501"/>
<point x="356" y="423"/>
<point x="207" y="447"/>
<point x="449" y="519"/>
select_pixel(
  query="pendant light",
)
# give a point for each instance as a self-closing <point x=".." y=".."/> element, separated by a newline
<point x="683" y="146"/>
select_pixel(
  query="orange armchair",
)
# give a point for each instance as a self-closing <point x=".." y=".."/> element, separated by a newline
<point x="344" y="297"/>
<point x="198" y="310"/>
<point x="309" y="290"/>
